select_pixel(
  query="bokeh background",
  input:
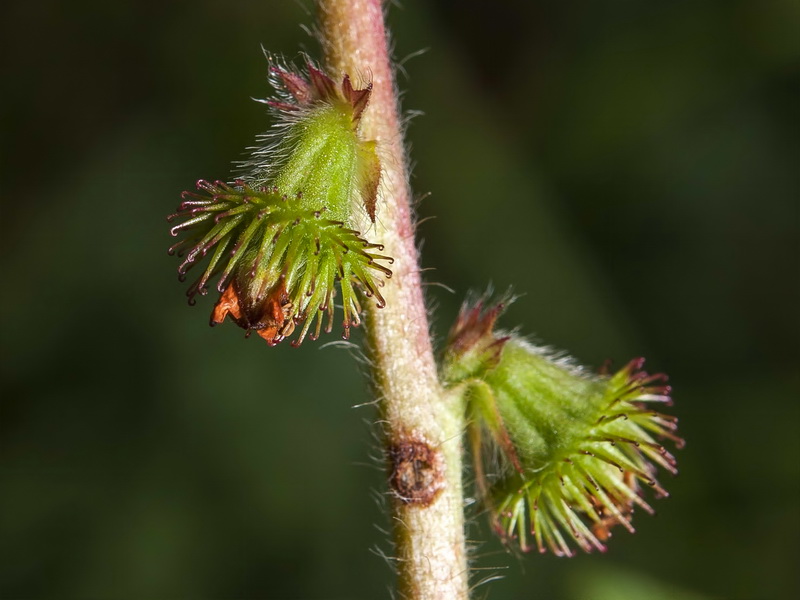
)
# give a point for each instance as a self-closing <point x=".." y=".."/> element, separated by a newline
<point x="629" y="166"/>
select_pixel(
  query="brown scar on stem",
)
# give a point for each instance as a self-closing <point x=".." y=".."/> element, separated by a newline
<point x="417" y="474"/>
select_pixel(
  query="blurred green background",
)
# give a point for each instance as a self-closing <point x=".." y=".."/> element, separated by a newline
<point x="630" y="166"/>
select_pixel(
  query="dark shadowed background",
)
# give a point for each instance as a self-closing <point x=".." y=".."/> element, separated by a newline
<point x="630" y="166"/>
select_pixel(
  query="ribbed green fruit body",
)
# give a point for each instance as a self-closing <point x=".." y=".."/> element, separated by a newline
<point x="546" y="407"/>
<point x="321" y="165"/>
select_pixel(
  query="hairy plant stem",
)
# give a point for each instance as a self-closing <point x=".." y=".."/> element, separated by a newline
<point x="423" y="424"/>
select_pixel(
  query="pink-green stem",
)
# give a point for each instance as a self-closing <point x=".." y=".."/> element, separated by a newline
<point x="423" y="424"/>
